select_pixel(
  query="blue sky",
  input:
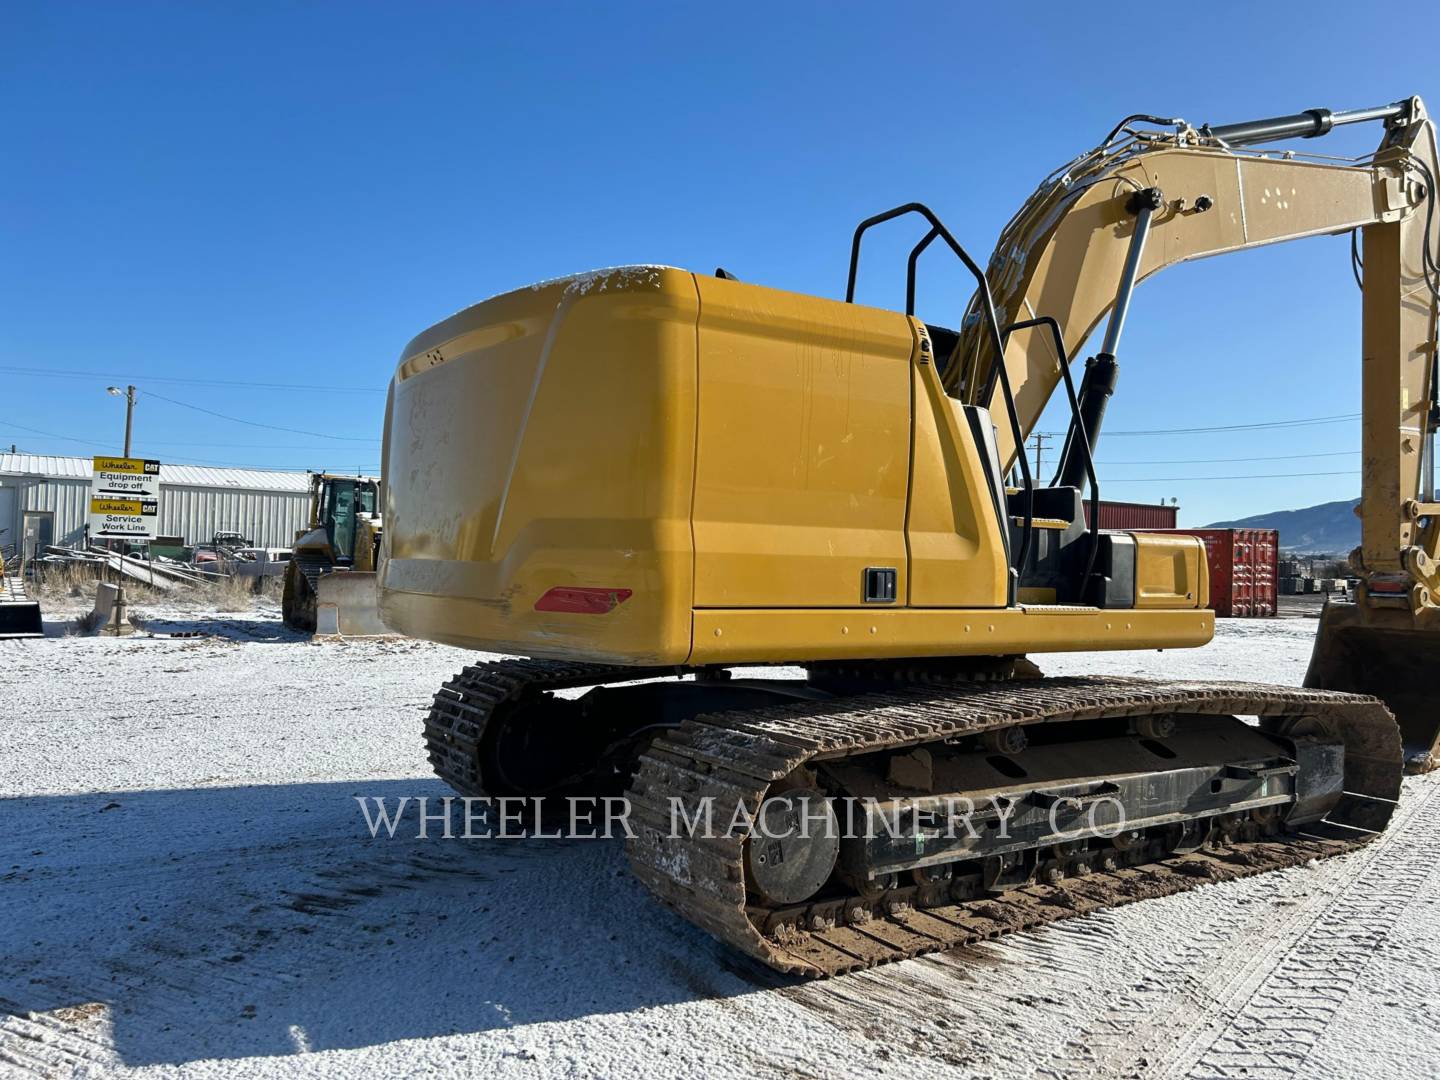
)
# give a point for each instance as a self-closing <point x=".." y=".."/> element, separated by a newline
<point x="274" y="194"/>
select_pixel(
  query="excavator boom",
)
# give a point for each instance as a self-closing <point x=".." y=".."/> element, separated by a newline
<point x="1147" y="200"/>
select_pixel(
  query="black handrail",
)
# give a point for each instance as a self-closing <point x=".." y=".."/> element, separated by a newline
<point x="992" y="322"/>
<point x="915" y="254"/>
<point x="1079" y="428"/>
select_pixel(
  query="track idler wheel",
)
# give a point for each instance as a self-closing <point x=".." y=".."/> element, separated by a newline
<point x="792" y="852"/>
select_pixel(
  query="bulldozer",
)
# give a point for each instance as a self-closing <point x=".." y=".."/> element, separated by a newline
<point x="329" y="584"/>
<point x="755" y="559"/>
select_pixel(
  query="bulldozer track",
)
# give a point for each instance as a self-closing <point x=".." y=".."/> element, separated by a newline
<point x="735" y="757"/>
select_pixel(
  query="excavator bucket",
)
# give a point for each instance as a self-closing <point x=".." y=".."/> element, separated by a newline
<point x="19" y="615"/>
<point x="345" y="605"/>
<point x="1397" y="664"/>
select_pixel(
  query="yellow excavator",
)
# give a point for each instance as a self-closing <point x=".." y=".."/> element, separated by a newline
<point x="330" y="579"/>
<point x="650" y="485"/>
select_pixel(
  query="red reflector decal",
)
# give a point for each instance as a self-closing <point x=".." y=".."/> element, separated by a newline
<point x="582" y="601"/>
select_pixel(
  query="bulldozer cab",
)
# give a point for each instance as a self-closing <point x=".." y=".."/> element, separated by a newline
<point x="343" y="534"/>
<point x="336" y="505"/>
<point x="342" y="500"/>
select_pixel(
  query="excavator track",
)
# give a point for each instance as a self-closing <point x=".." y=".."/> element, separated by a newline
<point x="739" y="756"/>
<point x="467" y="707"/>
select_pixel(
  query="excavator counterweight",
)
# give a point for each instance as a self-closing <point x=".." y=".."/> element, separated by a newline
<point x="639" y="481"/>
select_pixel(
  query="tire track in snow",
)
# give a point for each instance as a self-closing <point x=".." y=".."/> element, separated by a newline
<point x="53" y="1044"/>
<point x="1191" y="993"/>
<point x="1279" y="1024"/>
<point x="261" y="908"/>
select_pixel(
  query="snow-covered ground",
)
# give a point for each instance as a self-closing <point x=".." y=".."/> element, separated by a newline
<point x="188" y="887"/>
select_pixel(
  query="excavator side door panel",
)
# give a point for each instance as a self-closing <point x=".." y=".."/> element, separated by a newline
<point x="802" y="450"/>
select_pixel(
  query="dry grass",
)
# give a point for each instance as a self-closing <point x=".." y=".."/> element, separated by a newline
<point x="72" y="586"/>
<point x="238" y="593"/>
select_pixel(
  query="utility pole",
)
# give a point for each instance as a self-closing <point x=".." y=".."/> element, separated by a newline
<point x="120" y="617"/>
<point x="1041" y="438"/>
<point x="129" y="393"/>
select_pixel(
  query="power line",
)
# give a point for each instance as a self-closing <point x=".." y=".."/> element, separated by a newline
<point x="175" y="459"/>
<point x="236" y="384"/>
<point x="1220" y="460"/>
<point x="52" y="435"/>
<point x="325" y="466"/>
<point x="250" y="445"/>
<point x="1244" y="476"/>
<point x="1266" y="425"/>
<point x="1243" y="427"/>
<point x="166" y="442"/>
<point x="255" y="423"/>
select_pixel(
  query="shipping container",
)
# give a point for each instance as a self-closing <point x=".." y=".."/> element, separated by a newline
<point x="1244" y="570"/>
<point x="1148" y="517"/>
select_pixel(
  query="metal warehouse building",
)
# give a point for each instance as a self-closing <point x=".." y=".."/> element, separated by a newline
<point x="45" y="500"/>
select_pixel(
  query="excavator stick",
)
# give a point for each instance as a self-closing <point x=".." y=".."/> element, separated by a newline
<point x="1392" y="662"/>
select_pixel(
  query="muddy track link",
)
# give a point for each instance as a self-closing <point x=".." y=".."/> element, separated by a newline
<point x="466" y="706"/>
<point x="739" y="755"/>
<point x="314" y="567"/>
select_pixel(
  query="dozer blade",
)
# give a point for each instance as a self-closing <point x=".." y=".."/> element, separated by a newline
<point x="19" y="615"/>
<point x="1397" y="664"/>
<point x="346" y="605"/>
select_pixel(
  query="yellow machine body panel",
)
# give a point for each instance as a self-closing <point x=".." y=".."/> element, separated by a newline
<point x="957" y="555"/>
<point x="802" y="459"/>
<point x="544" y="439"/>
<point x="647" y="466"/>
<point x="1170" y="571"/>
<point x="779" y="636"/>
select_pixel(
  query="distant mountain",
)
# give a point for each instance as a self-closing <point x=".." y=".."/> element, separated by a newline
<point x="1330" y="528"/>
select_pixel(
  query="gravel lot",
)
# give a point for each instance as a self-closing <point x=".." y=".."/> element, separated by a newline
<point x="187" y="887"/>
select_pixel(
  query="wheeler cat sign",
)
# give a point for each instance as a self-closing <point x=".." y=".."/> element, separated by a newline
<point x="124" y="498"/>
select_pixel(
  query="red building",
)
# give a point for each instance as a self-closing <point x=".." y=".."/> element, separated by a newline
<point x="1127" y="515"/>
